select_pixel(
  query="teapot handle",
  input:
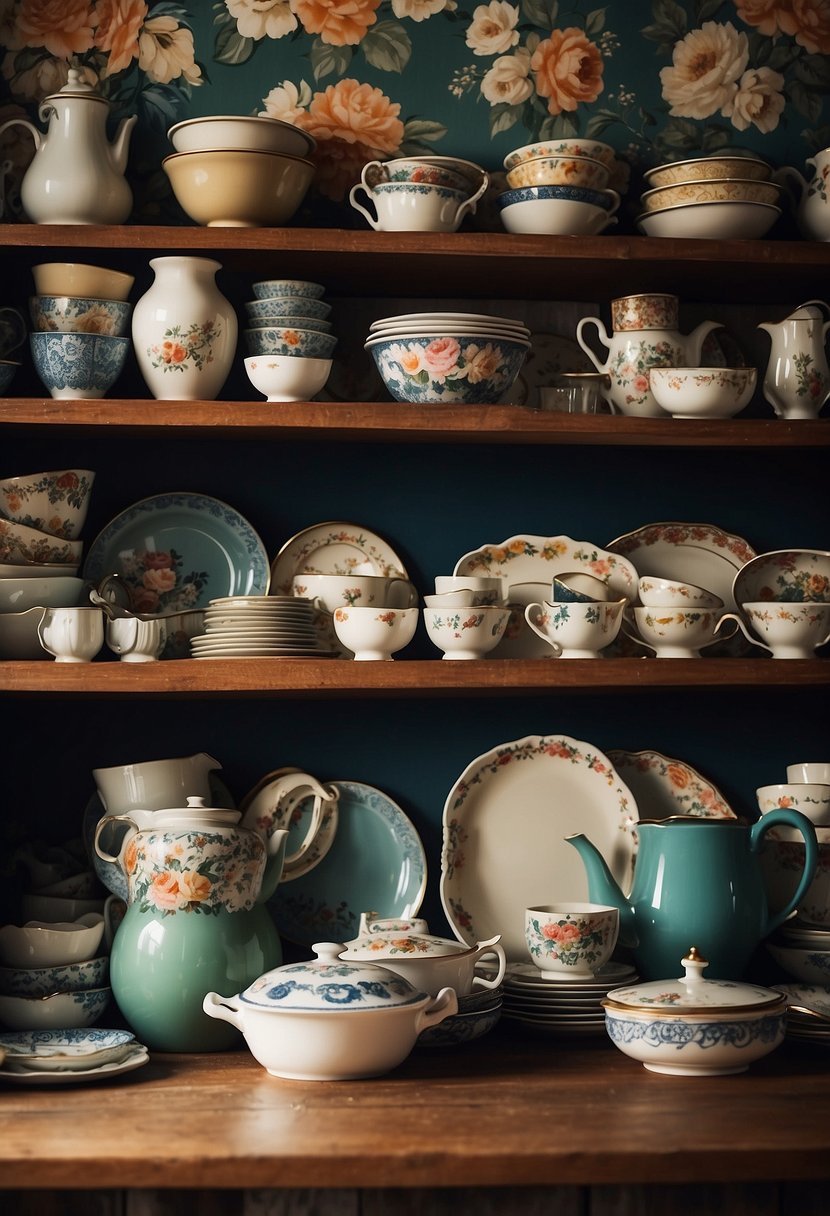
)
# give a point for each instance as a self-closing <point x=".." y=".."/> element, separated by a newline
<point x="30" y="126"/>
<point x="603" y="337"/>
<point x="787" y="817"/>
<point x="105" y="823"/>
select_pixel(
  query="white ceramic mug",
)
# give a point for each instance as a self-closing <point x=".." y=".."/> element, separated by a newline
<point x="136" y="640"/>
<point x="414" y="207"/>
<point x="72" y="635"/>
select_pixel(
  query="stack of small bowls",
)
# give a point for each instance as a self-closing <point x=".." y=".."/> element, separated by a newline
<point x="80" y="318"/>
<point x="419" y="193"/>
<point x="676" y="619"/>
<point x="715" y="197"/>
<point x="783" y="600"/>
<point x="41" y="518"/>
<point x="239" y="171"/>
<point x="448" y="357"/>
<point x="467" y="616"/>
<point x="559" y="188"/>
<point x="288" y="338"/>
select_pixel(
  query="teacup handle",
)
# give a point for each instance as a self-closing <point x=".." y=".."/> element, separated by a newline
<point x="323" y="796"/>
<point x="733" y="616"/>
<point x="411" y="592"/>
<point x="105" y="823"/>
<point x="491" y="947"/>
<point x="373" y="221"/>
<point x="787" y="817"/>
<point x="616" y="199"/>
<point x="468" y="207"/>
<point x="18" y="325"/>
<point x="532" y="612"/>
<point x="373" y="171"/>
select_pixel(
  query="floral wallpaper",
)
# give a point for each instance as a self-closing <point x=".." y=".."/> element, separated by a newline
<point x="660" y="80"/>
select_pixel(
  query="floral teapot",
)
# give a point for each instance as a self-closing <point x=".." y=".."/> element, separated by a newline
<point x="797" y="378"/>
<point x="645" y="335"/>
<point x="195" y="920"/>
<point x="77" y="174"/>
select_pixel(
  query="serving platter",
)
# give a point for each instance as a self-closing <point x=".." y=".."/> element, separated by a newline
<point x="665" y="787"/>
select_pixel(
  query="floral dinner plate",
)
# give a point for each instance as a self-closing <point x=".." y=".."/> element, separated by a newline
<point x="179" y="551"/>
<point x="665" y="787"/>
<point x="334" y="547"/>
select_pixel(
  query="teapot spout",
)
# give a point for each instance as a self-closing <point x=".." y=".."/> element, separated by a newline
<point x="120" y="145"/>
<point x="273" y="866"/>
<point x="603" y="887"/>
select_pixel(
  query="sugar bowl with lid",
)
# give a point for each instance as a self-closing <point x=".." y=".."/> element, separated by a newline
<point x="330" y="1019"/>
<point x="427" y="961"/>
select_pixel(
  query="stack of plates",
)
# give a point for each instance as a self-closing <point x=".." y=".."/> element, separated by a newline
<point x="471" y="324"/>
<point x="238" y="626"/>
<point x="808" y="1027"/>
<point x="561" y="1007"/>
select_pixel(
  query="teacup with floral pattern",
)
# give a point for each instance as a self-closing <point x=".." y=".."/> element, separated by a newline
<point x="570" y="941"/>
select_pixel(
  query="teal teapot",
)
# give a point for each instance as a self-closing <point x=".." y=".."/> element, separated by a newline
<point x="196" y="919"/>
<point x="697" y="880"/>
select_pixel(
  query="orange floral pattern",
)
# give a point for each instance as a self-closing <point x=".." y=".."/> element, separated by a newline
<point x="568" y="69"/>
<point x="352" y="123"/>
<point x="338" y="22"/>
<point x="119" y="23"/>
<point x="63" y="27"/>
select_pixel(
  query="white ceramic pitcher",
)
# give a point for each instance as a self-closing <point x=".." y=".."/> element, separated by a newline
<point x="797" y="378"/>
<point x="811" y="197"/>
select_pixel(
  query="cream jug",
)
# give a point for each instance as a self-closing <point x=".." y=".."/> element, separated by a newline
<point x="645" y="335"/>
<point x="797" y="379"/>
<point x="811" y="199"/>
<point x="77" y="174"/>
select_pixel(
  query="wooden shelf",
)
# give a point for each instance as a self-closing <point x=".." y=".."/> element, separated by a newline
<point x="392" y="422"/>
<point x="498" y="1113"/>
<point x="468" y="264"/>
<point x="327" y="678"/>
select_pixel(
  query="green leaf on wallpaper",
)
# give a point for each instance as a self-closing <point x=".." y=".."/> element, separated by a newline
<point x="231" y="48"/>
<point x="600" y="121"/>
<point x="595" y="22"/>
<point x="537" y="12"/>
<point x="670" y="23"/>
<point x="705" y="10"/>
<point x="559" y="126"/>
<point x="420" y="133"/>
<point x="503" y="117"/>
<point x="679" y="133"/>
<point x="387" y="46"/>
<point x="805" y="100"/>
<point x="329" y="60"/>
<point x="782" y="57"/>
<point x="814" y="70"/>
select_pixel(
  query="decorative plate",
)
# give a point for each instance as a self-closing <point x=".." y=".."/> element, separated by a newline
<point x="664" y="787"/>
<point x="95" y="1039"/>
<point x="504" y="827"/>
<point x="333" y="548"/>
<point x="530" y="560"/>
<point x="179" y="551"/>
<point x="376" y="863"/>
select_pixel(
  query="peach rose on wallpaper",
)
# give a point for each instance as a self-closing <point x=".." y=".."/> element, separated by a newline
<point x="119" y="22"/>
<point x="758" y="102"/>
<point x="706" y="67"/>
<point x="568" y="69"/>
<point x="338" y="22"/>
<point x="352" y="123"/>
<point x="493" y="28"/>
<point x="63" y="27"/>
<point x="761" y="14"/>
<point x="262" y="18"/>
<point x="809" y="23"/>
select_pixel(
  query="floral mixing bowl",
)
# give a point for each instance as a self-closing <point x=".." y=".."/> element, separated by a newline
<point x="472" y="369"/>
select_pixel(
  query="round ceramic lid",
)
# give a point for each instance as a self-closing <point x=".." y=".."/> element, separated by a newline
<point x="329" y="983"/>
<point x="402" y="945"/>
<point x="693" y="994"/>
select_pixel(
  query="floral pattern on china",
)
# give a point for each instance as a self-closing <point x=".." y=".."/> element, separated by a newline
<point x="665" y="786"/>
<point x="183" y="348"/>
<point x="498" y="559"/>
<point x="198" y="871"/>
<point x="650" y="311"/>
<point x="437" y="368"/>
<point x="565" y="940"/>
<point x="46" y="550"/>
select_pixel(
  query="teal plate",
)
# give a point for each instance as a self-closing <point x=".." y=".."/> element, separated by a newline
<point x="376" y="863"/>
<point x="179" y="551"/>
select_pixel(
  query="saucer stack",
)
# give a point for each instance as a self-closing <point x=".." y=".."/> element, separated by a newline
<point x="807" y="1027"/>
<point x="239" y="626"/>
<point x="478" y="1012"/>
<point x="560" y="1007"/>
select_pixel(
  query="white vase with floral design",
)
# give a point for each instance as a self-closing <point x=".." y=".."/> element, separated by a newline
<point x="184" y="330"/>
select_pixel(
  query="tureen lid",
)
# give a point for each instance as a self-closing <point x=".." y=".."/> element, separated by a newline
<point x="402" y="945"/>
<point x="330" y="983"/>
<point x="691" y="993"/>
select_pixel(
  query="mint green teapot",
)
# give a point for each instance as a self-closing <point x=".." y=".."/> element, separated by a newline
<point x="196" y="920"/>
<point x="697" y="880"/>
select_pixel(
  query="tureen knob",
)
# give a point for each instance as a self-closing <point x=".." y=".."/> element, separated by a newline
<point x="694" y="965"/>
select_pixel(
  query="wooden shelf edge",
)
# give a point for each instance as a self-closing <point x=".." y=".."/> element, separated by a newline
<point x="314" y="678"/>
<point x="398" y="423"/>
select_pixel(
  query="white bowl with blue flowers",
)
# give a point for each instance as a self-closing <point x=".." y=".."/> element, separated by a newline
<point x="78" y="365"/>
<point x="286" y="340"/>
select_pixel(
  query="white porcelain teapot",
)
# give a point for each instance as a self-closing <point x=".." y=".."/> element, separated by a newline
<point x="77" y="174"/>
<point x="645" y="335"/>
<point x="797" y="378"/>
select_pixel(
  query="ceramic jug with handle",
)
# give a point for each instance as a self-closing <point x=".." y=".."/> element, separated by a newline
<point x="195" y="920"/>
<point x="645" y="335"/>
<point x="797" y="378"/>
<point x="77" y="174"/>
<point x="697" y="880"/>
<point x="811" y="197"/>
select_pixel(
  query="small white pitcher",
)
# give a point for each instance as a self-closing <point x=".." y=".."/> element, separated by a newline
<point x="72" y="635"/>
<point x="136" y="640"/>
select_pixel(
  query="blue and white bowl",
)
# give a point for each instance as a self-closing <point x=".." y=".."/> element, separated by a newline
<point x="57" y="1011"/>
<point x="442" y="368"/>
<point x="558" y="210"/>
<point x="292" y="321"/>
<point x="287" y="287"/>
<point x="40" y="981"/>
<point x="80" y="314"/>
<point x="78" y="365"/>
<point x="608" y="200"/>
<point x="284" y="306"/>
<point x="285" y="340"/>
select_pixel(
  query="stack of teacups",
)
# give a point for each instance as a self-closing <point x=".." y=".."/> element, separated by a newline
<point x="363" y="616"/>
<point x="419" y="193"/>
<point x="41" y="519"/>
<point x="784" y="598"/>
<point x="677" y="619"/>
<point x="288" y="338"/>
<point x="54" y="966"/>
<point x="559" y="188"/>
<point x="582" y="617"/>
<point x="80" y="319"/>
<point x="467" y="615"/>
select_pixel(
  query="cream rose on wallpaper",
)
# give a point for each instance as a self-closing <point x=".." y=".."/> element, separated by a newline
<point x="508" y="80"/>
<point x="758" y="102"/>
<point x="493" y="28"/>
<point x="706" y="67"/>
<point x="262" y="18"/>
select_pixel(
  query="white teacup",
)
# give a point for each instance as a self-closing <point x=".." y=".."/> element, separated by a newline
<point x="415" y="207"/>
<point x="375" y="633"/>
<point x="678" y="633"/>
<point x="576" y="631"/>
<point x="570" y="941"/>
<point x="137" y="640"/>
<point x="671" y="593"/>
<point x="485" y="589"/>
<point x="330" y="591"/>
<point x="72" y="635"/>
<point x="787" y="630"/>
<point x="816" y="770"/>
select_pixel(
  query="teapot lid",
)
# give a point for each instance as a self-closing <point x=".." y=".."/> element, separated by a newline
<point x="328" y="983"/>
<point x="691" y="993"/>
<point x="403" y="945"/>
<point x="77" y="86"/>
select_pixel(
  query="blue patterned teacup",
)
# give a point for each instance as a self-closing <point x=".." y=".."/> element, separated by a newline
<point x="78" y="365"/>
